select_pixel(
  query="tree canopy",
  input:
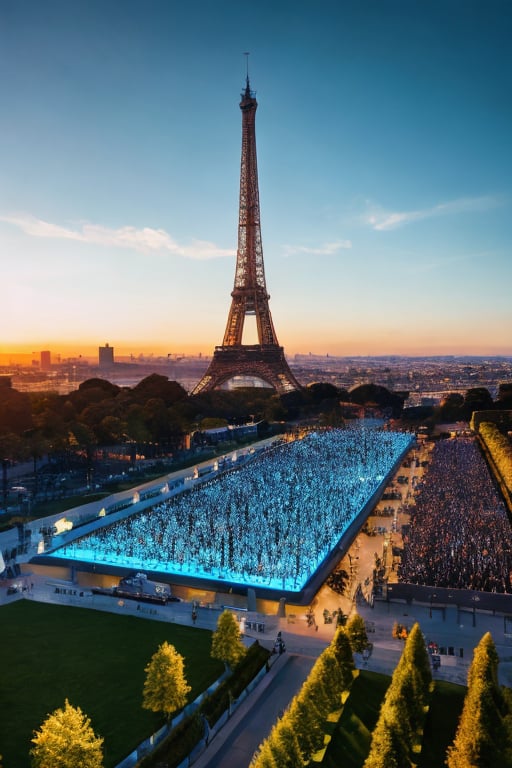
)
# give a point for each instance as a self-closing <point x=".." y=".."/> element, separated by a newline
<point x="226" y="643"/>
<point x="66" y="740"/>
<point x="165" y="688"/>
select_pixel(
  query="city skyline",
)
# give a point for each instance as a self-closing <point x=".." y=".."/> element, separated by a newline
<point x="383" y="158"/>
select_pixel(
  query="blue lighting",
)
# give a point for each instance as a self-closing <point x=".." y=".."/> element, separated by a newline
<point x="269" y="524"/>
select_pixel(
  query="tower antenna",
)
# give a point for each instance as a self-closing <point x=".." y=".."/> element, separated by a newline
<point x="246" y="54"/>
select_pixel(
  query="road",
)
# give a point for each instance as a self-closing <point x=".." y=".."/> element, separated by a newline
<point x="235" y="745"/>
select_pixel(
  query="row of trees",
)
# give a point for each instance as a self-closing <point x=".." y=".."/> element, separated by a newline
<point x="159" y="412"/>
<point x="156" y="411"/>
<point x="483" y="738"/>
<point x="457" y="407"/>
<point x="300" y="732"/>
<point x="500" y="449"/>
<point x="66" y="738"/>
<point x="484" y="735"/>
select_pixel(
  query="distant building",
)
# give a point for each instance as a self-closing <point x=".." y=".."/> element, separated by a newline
<point x="45" y="359"/>
<point x="106" y="357"/>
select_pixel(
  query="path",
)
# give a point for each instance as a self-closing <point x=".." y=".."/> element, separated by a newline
<point x="236" y="743"/>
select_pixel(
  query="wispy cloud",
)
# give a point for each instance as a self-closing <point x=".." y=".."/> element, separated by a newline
<point x="381" y="220"/>
<point x="145" y="239"/>
<point x="327" y="249"/>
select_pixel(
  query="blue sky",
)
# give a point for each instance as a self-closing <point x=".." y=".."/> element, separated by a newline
<point x="384" y="154"/>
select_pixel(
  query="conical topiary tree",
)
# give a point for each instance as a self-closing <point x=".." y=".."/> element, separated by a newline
<point x="402" y="712"/>
<point x="388" y="748"/>
<point x="332" y="677"/>
<point x="307" y="722"/>
<point x="485" y="662"/>
<point x="407" y="688"/>
<point x="284" y="745"/>
<point x="483" y="738"/>
<point x="342" y="648"/>
<point x="315" y="693"/>
<point x="415" y="656"/>
<point x="356" y="631"/>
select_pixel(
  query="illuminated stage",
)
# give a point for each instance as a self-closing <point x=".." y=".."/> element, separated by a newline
<point x="277" y="525"/>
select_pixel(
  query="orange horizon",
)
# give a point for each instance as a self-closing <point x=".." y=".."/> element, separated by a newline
<point x="25" y="354"/>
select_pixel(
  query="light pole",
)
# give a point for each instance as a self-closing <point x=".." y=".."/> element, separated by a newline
<point x="475" y="600"/>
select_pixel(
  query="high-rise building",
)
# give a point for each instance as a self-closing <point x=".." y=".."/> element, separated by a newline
<point x="45" y="358"/>
<point x="106" y="357"/>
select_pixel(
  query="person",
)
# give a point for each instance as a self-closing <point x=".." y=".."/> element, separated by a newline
<point x="194" y="615"/>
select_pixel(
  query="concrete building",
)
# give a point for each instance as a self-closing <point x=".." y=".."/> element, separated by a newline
<point x="45" y="360"/>
<point x="106" y="357"/>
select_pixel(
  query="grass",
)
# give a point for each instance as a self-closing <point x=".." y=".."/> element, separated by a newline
<point x="441" y="724"/>
<point x="351" y="739"/>
<point x="94" y="659"/>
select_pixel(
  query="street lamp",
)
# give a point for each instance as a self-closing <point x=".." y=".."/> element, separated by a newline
<point x="475" y="600"/>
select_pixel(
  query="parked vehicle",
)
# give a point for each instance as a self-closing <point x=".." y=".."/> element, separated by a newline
<point x="138" y="587"/>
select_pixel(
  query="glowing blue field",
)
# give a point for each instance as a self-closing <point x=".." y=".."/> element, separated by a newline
<point x="269" y="524"/>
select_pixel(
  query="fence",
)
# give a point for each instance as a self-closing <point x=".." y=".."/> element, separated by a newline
<point x="149" y="744"/>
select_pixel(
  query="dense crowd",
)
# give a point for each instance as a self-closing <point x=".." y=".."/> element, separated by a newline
<point x="459" y="534"/>
<point x="271" y="522"/>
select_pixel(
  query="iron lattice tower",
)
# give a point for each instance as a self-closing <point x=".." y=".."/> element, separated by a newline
<point x="266" y="359"/>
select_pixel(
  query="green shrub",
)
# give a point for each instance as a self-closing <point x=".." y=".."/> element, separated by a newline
<point x="245" y="671"/>
<point x="177" y="745"/>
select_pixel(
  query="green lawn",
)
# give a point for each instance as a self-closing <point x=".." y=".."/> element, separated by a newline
<point x="351" y="739"/>
<point x="96" y="660"/>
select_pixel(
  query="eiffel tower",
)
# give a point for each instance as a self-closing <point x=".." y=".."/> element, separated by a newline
<point x="266" y="359"/>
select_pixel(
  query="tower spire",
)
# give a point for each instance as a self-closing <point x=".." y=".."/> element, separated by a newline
<point x="266" y="359"/>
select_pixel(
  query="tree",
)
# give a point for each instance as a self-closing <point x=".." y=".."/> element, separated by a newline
<point x="415" y="656"/>
<point x="315" y="693"/>
<point x="356" y="631"/>
<point x="331" y="678"/>
<point x="226" y="643"/>
<point x="343" y="650"/>
<point x="66" y="740"/>
<point x="306" y="721"/>
<point x="483" y="734"/>
<point x="480" y="741"/>
<point x="281" y="749"/>
<point x="406" y="690"/>
<point x="377" y="395"/>
<point x="338" y="580"/>
<point x="264" y="757"/>
<point x="388" y="748"/>
<point x="451" y="407"/>
<point x="402" y="712"/>
<point x="165" y="688"/>
<point x="477" y="399"/>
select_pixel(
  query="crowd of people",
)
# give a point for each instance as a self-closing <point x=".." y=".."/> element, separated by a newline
<point x="270" y="523"/>
<point x="459" y="534"/>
